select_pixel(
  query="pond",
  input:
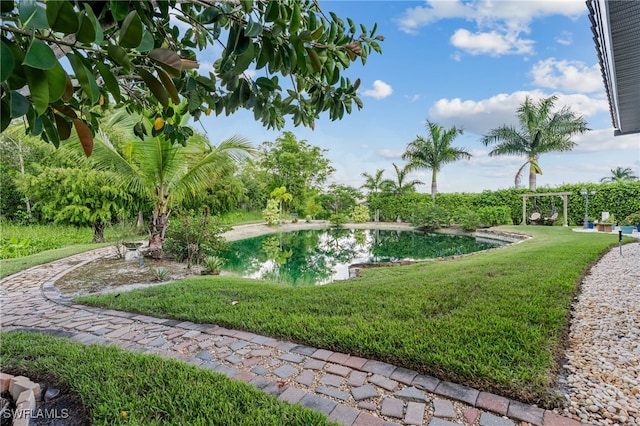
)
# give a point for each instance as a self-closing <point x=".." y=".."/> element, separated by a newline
<point x="309" y="257"/>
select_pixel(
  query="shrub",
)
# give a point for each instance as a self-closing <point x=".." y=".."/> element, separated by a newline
<point x="194" y="237"/>
<point x="632" y="219"/>
<point x="469" y="220"/>
<point x="271" y="214"/>
<point x="430" y="216"/>
<point x="360" y="214"/>
<point x="493" y="216"/>
<point x="338" y="220"/>
<point x="213" y="264"/>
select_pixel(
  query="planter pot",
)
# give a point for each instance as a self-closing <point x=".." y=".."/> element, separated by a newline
<point x="590" y="225"/>
<point x="604" y="227"/>
<point x="626" y="229"/>
<point x="638" y="228"/>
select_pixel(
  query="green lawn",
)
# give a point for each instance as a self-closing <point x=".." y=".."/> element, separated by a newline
<point x="11" y="266"/>
<point x="121" y="387"/>
<point x="494" y="320"/>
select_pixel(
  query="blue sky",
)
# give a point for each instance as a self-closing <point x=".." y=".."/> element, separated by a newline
<point x="468" y="64"/>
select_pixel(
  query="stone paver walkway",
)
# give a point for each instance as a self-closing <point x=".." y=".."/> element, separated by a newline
<point x="348" y="389"/>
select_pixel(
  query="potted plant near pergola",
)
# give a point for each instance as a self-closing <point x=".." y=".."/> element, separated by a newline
<point x="629" y="223"/>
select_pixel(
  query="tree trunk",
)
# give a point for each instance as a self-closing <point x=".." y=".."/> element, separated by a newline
<point x="532" y="180"/>
<point x="98" y="232"/>
<point x="157" y="227"/>
<point x="434" y="186"/>
<point x="140" y="222"/>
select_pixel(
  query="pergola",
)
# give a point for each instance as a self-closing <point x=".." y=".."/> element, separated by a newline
<point x="563" y="195"/>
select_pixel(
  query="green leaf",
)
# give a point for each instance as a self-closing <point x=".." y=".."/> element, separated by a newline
<point x="99" y="38"/>
<point x="61" y="17"/>
<point x="131" y="31"/>
<point x="265" y="83"/>
<point x="50" y="130"/>
<point x="57" y="80"/>
<point x="209" y="15"/>
<point x="64" y="128"/>
<point x="147" y="42"/>
<point x="39" y="89"/>
<point x="40" y="56"/>
<point x="294" y="25"/>
<point x="87" y="31"/>
<point x="119" y="9"/>
<point x="119" y="56"/>
<point x="155" y="86"/>
<point x="32" y="15"/>
<point x="19" y="105"/>
<point x="243" y="61"/>
<point x="85" y="77"/>
<point x="253" y="29"/>
<point x="6" y="62"/>
<point x="169" y="85"/>
<point x="109" y="80"/>
<point x="5" y="114"/>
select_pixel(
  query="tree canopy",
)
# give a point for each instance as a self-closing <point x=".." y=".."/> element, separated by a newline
<point x="144" y="55"/>
<point x="541" y="130"/>
<point x="434" y="151"/>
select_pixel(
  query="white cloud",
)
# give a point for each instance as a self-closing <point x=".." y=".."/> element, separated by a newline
<point x="565" y="39"/>
<point x="499" y="24"/>
<point x="492" y="43"/>
<point x="380" y="90"/>
<point x="603" y="140"/>
<point x="481" y="116"/>
<point x="391" y="154"/>
<point x="567" y="75"/>
<point x="486" y="13"/>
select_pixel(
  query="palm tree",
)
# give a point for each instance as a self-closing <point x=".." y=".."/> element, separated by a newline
<point x="373" y="184"/>
<point x="541" y="131"/>
<point x="619" y="174"/>
<point x="434" y="152"/>
<point x="163" y="172"/>
<point x="399" y="186"/>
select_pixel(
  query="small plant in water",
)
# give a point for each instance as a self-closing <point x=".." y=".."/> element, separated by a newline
<point x="159" y="274"/>
<point x="212" y="265"/>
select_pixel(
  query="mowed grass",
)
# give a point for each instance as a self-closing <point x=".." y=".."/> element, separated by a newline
<point x="11" y="266"/>
<point x="121" y="387"/>
<point x="494" y="320"/>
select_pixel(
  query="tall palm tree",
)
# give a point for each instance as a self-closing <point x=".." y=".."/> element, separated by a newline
<point x="618" y="174"/>
<point x="399" y="186"/>
<point x="434" y="152"/>
<point x="541" y="131"/>
<point x="163" y="172"/>
<point x="373" y="184"/>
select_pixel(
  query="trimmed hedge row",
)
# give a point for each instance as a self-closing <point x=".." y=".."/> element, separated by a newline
<point x="618" y="198"/>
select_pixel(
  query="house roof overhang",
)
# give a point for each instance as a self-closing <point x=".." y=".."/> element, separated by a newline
<point x="616" y="30"/>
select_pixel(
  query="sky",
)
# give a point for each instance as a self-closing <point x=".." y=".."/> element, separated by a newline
<point x="468" y="64"/>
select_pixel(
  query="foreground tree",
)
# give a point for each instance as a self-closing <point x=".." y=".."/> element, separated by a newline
<point x="541" y="131"/>
<point x="165" y="173"/>
<point x="295" y="164"/>
<point x="79" y="196"/>
<point x="434" y="152"/>
<point x="619" y="174"/>
<point x="135" y="54"/>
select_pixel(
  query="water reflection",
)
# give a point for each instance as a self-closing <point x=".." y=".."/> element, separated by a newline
<point x="308" y="257"/>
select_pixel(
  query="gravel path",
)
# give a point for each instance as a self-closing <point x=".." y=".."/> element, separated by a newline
<point x="603" y="357"/>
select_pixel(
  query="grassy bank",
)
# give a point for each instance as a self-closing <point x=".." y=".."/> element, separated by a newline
<point x="11" y="266"/>
<point x="120" y="387"/>
<point x="494" y="320"/>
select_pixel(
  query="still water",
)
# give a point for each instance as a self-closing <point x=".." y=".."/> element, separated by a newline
<point x="309" y="257"/>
